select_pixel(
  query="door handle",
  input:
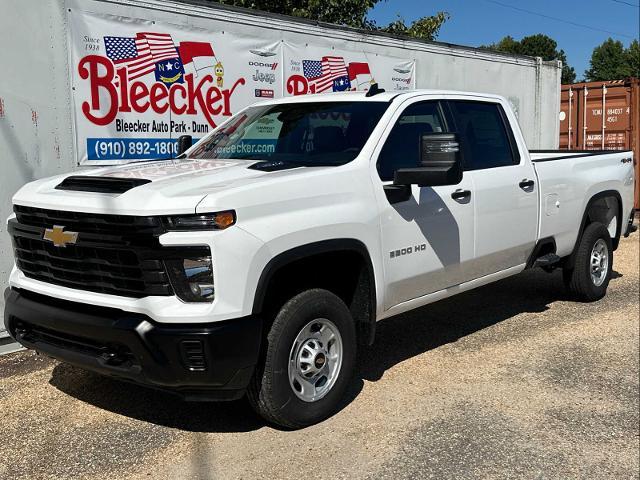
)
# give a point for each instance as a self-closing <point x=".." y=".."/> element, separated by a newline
<point x="461" y="194"/>
<point x="526" y="184"/>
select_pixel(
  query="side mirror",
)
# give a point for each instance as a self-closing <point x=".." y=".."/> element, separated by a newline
<point x="440" y="162"/>
<point x="184" y="143"/>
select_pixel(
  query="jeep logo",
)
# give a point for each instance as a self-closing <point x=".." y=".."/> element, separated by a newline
<point x="264" y="77"/>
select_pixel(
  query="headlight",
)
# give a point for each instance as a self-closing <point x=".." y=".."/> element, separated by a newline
<point x="207" y="221"/>
<point x="192" y="278"/>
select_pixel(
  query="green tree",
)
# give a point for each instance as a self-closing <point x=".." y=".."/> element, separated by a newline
<point x="507" y="45"/>
<point x="610" y="61"/>
<point x="537" y="46"/>
<point x="568" y="72"/>
<point x="633" y="58"/>
<point x="425" y="28"/>
<point x="352" y="13"/>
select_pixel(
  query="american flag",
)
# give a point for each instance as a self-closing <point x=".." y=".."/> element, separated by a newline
<point x="140" y="54"/>
<point x="322" y="74"/>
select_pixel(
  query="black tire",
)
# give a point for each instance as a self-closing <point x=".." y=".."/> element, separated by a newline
<point x="270" y="392"/>
<point x="578" y="279"/>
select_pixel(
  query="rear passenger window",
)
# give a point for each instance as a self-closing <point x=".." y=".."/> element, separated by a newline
<point x="402" y="147"/>
<point x="486" y="141"/>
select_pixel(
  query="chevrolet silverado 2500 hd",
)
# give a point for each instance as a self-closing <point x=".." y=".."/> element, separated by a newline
<point x="259" y="259"/>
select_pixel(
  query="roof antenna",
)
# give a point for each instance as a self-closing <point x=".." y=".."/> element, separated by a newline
<point x="374" y="90"/>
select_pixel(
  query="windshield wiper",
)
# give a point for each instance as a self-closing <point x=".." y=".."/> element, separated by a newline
<point x="320" y="164"/>
<point x="273" y="165"/>
<point x="251" y="156"/>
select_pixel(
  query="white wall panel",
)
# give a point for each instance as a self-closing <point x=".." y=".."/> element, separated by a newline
<point x="36" y="120"/>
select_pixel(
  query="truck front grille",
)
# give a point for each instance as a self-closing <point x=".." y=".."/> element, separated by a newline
<point x="113" y="254"/>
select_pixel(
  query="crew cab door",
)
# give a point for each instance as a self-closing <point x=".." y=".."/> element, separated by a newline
<point x="505" y="197"/>
<point x="427" y="235"/>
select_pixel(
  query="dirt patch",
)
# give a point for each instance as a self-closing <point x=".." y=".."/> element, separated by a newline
<point x="510" y="380"/>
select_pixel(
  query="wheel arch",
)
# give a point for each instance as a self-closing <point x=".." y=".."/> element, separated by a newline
<point x="594" y="212"/>
<point x="323" y="254"/>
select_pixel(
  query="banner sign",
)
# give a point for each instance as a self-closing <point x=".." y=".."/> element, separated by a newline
<point x="310" y="69"/>
<point x="138" y="85"/>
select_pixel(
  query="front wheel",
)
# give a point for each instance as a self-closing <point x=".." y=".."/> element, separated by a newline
<point x="309" y="361"/>
<point x="589" y="278"/>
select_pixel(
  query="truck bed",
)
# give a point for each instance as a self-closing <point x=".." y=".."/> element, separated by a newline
<point x="568" y="180"/>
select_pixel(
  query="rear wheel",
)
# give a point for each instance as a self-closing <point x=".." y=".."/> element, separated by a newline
<point x="589" y="278"/>
<point x="309" y="361"/>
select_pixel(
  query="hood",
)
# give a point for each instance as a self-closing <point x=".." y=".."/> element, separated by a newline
<point x="166" y="169"/>
<point x="154" y="188"/>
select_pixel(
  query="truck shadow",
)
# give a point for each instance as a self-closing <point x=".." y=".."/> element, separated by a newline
<point x="404" y="336"/>
<point x="154" y="406"/>
<point x="397" y="339"/>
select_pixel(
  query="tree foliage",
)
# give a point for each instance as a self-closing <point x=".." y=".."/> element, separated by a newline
<point x="539" y="45"/>
<point x="352" y="13"/>
<point x="425" y="28"/>
<point x="612" y="61"/>
<point x="633" y="57"/>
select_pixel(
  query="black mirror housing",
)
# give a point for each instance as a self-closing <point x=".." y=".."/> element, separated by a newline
<point x="184" y="143"/>
<point x="440" y="162"/>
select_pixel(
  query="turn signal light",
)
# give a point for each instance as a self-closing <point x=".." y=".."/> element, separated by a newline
<point x="224" y="219"/>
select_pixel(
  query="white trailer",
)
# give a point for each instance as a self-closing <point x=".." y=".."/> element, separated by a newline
<point x="43" y="118"/>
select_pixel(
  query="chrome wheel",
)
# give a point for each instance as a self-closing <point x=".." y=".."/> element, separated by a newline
<point x="599" y="262"/>
<point x="315" y="360"/>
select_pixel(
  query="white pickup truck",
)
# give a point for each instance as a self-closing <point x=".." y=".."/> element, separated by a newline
<point x="261" y="257"/>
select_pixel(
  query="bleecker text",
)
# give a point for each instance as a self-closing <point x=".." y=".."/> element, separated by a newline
<point x="190" y="98"/>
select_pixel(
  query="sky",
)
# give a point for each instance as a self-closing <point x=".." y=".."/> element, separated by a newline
<point x="481" y="22"/>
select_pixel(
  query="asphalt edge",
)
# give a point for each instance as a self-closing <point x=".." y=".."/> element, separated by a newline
<point x="8" y="344"/>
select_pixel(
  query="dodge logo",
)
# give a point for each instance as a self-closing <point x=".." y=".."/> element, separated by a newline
<point x="59" y="237"/>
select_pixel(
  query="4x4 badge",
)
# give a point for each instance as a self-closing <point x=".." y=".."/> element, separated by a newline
<point x="59" y="237"/>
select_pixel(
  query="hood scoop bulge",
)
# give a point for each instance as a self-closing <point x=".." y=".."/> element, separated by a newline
<point x="83" y="183"/>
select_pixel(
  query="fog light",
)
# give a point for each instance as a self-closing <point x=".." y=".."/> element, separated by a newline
<point x="201" y="289"/>
<point x="192" y="278"/>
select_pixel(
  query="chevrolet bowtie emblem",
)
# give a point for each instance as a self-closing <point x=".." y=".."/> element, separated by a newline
<point x="59" y="237"/>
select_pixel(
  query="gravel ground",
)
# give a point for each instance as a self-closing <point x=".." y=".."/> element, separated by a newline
<point x="512" y="380"/>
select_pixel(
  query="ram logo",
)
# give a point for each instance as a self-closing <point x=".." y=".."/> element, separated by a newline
<point x="59" y="237"/>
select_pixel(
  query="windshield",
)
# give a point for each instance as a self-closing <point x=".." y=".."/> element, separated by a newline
<point x="314" y="134"/>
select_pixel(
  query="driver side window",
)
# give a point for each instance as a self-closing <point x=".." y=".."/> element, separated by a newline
<point x="402" y="147"/>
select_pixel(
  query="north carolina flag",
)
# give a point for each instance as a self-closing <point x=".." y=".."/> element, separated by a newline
<point x="199" y="54"/>
<point x="360" y="75"/>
